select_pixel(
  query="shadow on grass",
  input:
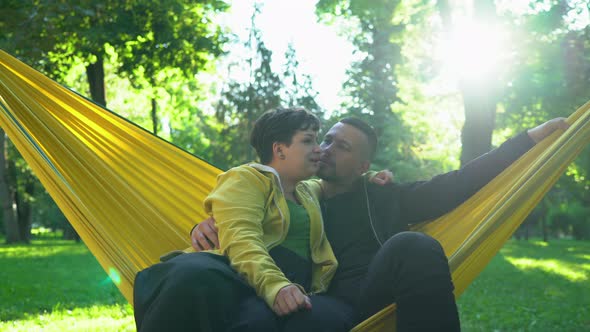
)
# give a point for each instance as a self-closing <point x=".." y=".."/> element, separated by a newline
<point x="51" y="275"/>
<point x="530" y="287"/>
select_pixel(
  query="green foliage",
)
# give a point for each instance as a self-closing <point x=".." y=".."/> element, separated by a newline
<point x="155" y="44"/>
<point x="149" y="34"/>
<point x="551" y="79"/>
<point x="570" y="218"/>
<point x="45" y="212"/>
<point x="430" y="111"/>
<point x="381" y="85"/>
<point x="171" y="34"/>
<point x="298" y="88"/>
<point x="242" y="102"/>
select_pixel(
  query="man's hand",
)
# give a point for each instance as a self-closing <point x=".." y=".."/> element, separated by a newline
<point x="538" y="133"/>
<point x="290" y="299"/>
<point x="204" y="235"/>
<point x="383" y="177"/>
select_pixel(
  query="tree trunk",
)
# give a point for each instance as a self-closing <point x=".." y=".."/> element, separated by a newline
<point x="383" y="95"/>
<point x="480" y="116"/>
<point x="154" y="116"/>
<point x="544" y="216"/>
<point x="8" y="204"/>
<point x="479" y="96"/>
<point x="70" y="233"/>
<point x="24" y="208"/>
<point x="544" y="228"/>
<point x="95" y="74"/>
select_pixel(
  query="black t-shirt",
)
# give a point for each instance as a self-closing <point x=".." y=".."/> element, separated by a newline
<point x="352" y="240"/>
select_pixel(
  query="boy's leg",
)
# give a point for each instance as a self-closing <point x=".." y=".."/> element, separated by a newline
<point x="254" y="316"/>
<point x="191" y="292"/>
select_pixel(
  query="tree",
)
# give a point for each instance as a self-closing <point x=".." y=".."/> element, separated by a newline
<point x="26" y="184"/>
<point x="480" y="90"/>
<point x="551" y="79"/>
<point x="147" y="39"/>
<point x="8" y="208"/>
<point x="378" y="30"/>
<point x="17" y="188"/>
<point x="298" y="88"/>
<point x="147" y="36"/>
<point x="243" y="101"/>
<point x="178" y="36"/>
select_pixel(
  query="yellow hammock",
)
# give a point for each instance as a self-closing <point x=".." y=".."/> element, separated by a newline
<point x="133" y="196"/>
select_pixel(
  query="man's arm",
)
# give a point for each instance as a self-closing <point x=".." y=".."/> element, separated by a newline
<point x="426" y="200"/>
<point x="204" y="235"/>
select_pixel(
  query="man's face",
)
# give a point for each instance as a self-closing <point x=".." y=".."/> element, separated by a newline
<point x="344" y="154"/>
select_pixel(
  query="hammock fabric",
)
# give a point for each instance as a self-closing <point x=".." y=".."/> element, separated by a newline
<point x="133" y="196"/>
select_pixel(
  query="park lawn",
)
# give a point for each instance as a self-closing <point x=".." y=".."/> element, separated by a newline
<point x="531" y="286"/>
<point x="55" y="285"/>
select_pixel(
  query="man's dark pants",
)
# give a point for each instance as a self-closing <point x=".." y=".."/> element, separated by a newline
<point x="411" y="269"/>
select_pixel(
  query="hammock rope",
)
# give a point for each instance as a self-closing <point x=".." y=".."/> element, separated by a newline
<point x="132" y="196"/>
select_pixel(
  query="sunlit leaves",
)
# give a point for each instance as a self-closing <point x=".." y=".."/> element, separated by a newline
<point x="551" y="79"/>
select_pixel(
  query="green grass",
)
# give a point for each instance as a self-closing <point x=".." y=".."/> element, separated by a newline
<point x="55" y="285"/>
<point x="531" y="286"/>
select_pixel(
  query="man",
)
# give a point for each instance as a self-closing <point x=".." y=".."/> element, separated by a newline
<point x="379" y="261"/>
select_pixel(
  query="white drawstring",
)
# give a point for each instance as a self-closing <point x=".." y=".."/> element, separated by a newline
<point x="370" y="215"/>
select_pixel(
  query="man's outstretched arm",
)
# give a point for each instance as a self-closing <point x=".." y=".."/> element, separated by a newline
<point x="426" y="200"/>
<point x="204" y="235"/>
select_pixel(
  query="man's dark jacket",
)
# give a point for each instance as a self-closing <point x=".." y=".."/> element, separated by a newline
<point x="358" y="222"/>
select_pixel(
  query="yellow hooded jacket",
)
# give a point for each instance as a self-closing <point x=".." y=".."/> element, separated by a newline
<point x="252" y="216"/>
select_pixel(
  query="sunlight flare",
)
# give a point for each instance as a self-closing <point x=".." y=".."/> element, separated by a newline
<point x="115" y="276"/>
<point x="473" y="50"/>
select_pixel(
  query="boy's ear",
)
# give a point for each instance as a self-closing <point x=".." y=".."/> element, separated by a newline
<point x="277" y="150"/>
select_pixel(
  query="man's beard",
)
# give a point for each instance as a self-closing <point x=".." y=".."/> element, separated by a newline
<point x="326" y="175"/>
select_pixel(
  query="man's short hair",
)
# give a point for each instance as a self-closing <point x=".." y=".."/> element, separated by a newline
<point x="366" y="129"/>
<point x="279" y="125"/>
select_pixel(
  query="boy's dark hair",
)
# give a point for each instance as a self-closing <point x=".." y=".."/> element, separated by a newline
<point x="367" y="130"/>
<point x="279" y="125"/>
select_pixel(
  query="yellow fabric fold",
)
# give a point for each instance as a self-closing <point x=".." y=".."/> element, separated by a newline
<point x="133" y="196"/>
